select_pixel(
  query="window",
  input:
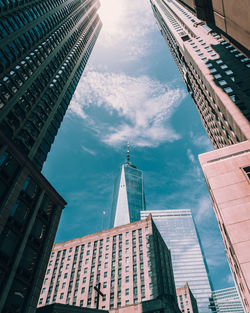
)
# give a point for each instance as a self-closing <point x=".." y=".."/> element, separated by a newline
<point x="105" y="274"/>
<point x="127" y="269"/>
<point x="127" y="279"/>
<point x="247" y="171"/>
<point x="105" y="284"/>
<point x="222" y="82"/>
<point x="61" y="295"/>
<point x="63" y="285"/>
<point x="83" y="290"/>
<point x="228" y="89"/>
<point x="127" y="292"/>
<point x="41" y="301"/>
<point x="84" y="280"/>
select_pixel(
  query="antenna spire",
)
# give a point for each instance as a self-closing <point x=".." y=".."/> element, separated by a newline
<point x="128" y="153"/>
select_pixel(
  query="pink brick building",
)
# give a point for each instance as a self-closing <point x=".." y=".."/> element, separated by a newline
<point x="227" y="173"/>
<point x="132" y="263"/>
<point x="186" y="301"/>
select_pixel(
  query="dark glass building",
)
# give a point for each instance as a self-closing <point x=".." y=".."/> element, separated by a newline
<point x="44" y="47"/>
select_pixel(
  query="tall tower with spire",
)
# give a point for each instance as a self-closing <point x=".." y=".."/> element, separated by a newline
<point x="128" y="196"/>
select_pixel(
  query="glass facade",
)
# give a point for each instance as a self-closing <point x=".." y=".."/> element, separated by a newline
<point x="128" y="196"/>
<point x="226" y="301"/>
<point x="44" y="49"/>
<point x="179" y="233"/>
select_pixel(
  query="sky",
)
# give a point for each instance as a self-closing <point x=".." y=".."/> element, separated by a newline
<point x="131" y="90"/>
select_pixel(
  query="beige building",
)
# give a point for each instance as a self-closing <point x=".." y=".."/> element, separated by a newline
<point x="186" y="300"/>
<point x="227" y="173"/>
<point x="230" y="17"/>
<point x="131" y="262"/>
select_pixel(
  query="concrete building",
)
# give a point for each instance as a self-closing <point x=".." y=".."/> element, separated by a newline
<point x="131" y="262"/>
<point x="44" y="46"/>
<point x="226" y="301"/>
<point x="216" y="73"/>
<point x="178" y="230"/>
<point x="186" y="301"/>
<point x="128" y="195"/>
<point x="227" y="174"/>
<point x="230" y="18"/>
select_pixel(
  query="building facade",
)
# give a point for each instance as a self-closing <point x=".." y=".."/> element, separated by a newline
<point x="131" y="262"/>
<point x="128" y="196"/>
<point x="30" y="213"/>
<point x="227" y="174"/>
<point x="214" y="71"/>
<point x="44" y="49"/>
<point x="178" y="230"/>
<point x="226" y="301"/>
<point x="186" y="301"/>
<point x="44" y="46"/>
<point x="230" y="18"/>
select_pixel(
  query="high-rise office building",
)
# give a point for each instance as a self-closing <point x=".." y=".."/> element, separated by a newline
<point x="178" y="230"/>
<point x="226" y="301"/>
<point x="230" y="18"/>
<point x="44" y="46"/>
<point x="186" y="300"/>
<point x="130" y="262"/>
<point x="128" y="195"/>
<point x="215" y="72"/>
<point x="227" y="174"/>
<point x="44" y="49"/>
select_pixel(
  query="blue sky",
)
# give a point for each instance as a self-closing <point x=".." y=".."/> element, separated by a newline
<point x="132" y="91"/>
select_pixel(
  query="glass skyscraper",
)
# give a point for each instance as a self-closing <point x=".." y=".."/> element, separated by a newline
<point x="44" y="47"/>
<point x="178" y="230"/>
<point x="226" y="301"/>
<point x="128" y="195"/>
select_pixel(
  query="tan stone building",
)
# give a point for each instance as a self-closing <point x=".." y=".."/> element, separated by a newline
<point x="186" y="300"/>
<point x="227" y="173"/>
<point x="131" y="262"/>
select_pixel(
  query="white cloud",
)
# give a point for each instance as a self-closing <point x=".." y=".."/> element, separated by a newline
<point x="126" y="24"/>
<point x="191" y="156"/>
<point x="201" y="141"/>
<point x="141" y="108"/>
<point x="88" y="150"/>
<point x="204" y="209"/>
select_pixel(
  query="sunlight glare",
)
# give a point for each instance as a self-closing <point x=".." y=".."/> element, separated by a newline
<point x="110" y="13"/>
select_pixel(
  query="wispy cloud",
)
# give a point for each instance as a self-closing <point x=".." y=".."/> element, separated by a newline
<point x="203" y="209"/>
<point x="137" y="109"/>
<point x="190" y="155"/>
<point x="201" y="141"/>
<point x="88" y="150"/>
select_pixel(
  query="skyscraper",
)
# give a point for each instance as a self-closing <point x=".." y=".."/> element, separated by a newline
<point x="128" y="195"/>
<point x="227" y="174"/>
<point x="214" y="71"/>
<point x="229" y="17"/>
<point x="131" y="262"/>
<point x="226" y="300"/>
<point x="178" y="230"/>
<point x="44" y="47"/>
